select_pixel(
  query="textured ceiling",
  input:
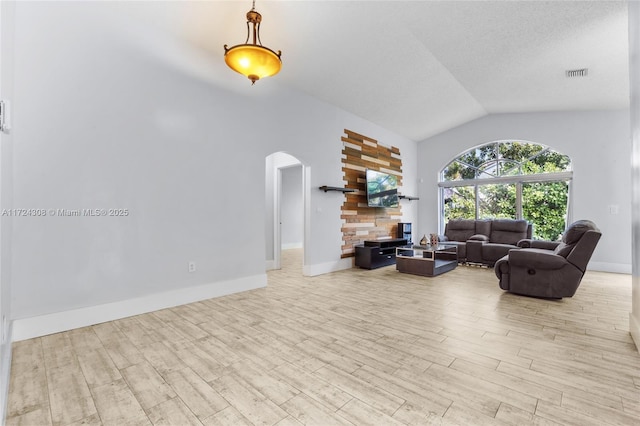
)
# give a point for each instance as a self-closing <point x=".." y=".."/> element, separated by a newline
<point x="422" y="67"/>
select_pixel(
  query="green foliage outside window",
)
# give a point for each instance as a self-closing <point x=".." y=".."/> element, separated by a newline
<point x="544" y="203"/>
<point x="497" y="201"/>
<point x="459" y="203"/>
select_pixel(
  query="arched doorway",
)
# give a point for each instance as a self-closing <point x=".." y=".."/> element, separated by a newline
<point x="286" y="219"/>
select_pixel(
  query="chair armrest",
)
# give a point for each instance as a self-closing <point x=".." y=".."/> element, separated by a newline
<point x="474" y="250"/>
<point x="536" y="258"/>
<point x="538" y="244"/>
<point x="524" y="243"/>
<point x="547" y="245"/>
<point x="478" y="237"/>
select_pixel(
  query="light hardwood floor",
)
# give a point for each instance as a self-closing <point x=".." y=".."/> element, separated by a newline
<point x="352" y="347"/>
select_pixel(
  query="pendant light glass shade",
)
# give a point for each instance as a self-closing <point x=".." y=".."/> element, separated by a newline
<point x="252" y="59"/>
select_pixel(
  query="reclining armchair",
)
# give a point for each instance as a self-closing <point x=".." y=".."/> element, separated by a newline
<point x="549" y="269"/>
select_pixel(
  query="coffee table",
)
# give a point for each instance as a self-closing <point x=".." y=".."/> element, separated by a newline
<point x="427" y="261"/>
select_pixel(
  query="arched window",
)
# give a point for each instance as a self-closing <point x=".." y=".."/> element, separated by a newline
<point x="509" y="179"/>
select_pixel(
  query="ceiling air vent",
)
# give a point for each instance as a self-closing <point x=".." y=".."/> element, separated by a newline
<point x="577" y="73"/>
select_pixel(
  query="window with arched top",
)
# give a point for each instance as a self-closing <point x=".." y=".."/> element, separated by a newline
<point x="509" y="179"/>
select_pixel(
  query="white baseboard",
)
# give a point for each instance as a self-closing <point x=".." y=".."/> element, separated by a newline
<point x="616" y="268"/>
<point x="270" y="265"/>
<point x="43" y="325"/>
<point x="325" y="268"/>
<point x="634" y="329"/>
<point x="289" y="246"/>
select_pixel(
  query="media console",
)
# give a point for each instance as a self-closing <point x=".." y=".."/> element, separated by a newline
<point x="378" y="253"/>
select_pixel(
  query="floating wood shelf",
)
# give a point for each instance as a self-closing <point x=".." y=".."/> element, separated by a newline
<point x="326" y="188"/>
<point x="407" y="197"/>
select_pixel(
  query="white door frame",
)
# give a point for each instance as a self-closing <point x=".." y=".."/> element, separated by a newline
<point x="277" y="213"/>
<point x="277" y="218"/>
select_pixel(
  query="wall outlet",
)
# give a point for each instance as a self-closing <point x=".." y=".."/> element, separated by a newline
<point x="192" y="266"/>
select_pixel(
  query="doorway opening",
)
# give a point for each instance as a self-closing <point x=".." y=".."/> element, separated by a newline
<point x="287" y="197"/>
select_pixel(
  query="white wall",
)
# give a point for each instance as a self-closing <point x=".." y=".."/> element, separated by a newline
<point x="6" y="194"/>
<point x="101" y="123"/>
<point x="596" y="141"/>
<point x="292" y="208"/>
<point x="634" y="73"/>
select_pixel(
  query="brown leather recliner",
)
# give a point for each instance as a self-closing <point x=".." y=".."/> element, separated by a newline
<point x="549" y="269"/>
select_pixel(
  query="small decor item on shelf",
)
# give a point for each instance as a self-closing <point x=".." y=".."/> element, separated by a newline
<point x="423" y="240"/>
<point x="434" y="239"/>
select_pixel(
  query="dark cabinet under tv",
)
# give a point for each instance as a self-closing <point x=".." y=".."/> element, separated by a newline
<point x="404" y="231"/>
<point x="378" y="253"/>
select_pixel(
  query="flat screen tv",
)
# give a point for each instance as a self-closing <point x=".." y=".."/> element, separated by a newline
<point x="382" y="189"/>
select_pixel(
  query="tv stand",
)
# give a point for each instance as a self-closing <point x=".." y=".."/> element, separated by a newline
<point x="378" y="253"/>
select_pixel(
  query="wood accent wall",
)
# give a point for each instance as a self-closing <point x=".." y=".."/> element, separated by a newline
<point x="361" y="222"/>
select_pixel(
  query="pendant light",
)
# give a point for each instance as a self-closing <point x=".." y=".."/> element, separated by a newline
<point x="253" y="59"/>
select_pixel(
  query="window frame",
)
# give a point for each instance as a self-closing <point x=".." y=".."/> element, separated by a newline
<point x="517" y="180"/>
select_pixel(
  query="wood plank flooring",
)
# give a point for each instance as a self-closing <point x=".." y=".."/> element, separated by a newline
<point x="354" y="347"/>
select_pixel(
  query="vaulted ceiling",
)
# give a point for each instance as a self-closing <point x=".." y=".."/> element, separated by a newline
<point x="421" y="67"/>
